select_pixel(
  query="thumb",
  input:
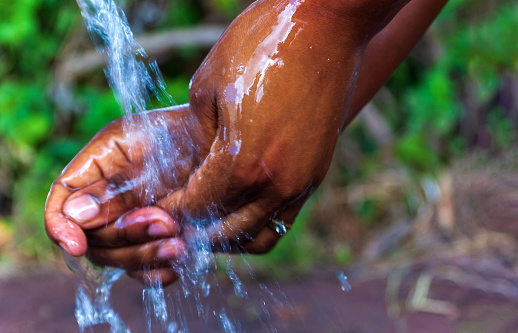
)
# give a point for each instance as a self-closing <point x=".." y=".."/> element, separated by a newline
<point x="62" y="231"/>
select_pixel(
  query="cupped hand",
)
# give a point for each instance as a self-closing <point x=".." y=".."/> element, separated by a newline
<point x="109" y="178"/>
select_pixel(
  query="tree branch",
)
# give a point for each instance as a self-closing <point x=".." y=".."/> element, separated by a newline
<point x="156" y="45"/>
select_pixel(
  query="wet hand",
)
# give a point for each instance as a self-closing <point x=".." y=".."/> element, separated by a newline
<point x="107" y="180"/>
<point x="272" y="97"/>
<point x="269" y="100"/>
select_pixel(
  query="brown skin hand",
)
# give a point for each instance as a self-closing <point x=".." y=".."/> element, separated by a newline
<point x="270" y="100"/>
<point x="105" y="175"/>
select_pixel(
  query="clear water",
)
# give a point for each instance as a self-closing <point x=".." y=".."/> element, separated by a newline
<point x="344" y="281"/>
<point x="133" y="77"/>
<point x="138" y="85"/>
<point x="93" y="292"/>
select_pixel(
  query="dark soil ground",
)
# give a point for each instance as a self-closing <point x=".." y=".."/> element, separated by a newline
<point x="44" y="302"/>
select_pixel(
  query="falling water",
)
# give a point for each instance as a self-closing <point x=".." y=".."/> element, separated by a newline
<point x="133" y="77"/>
<point x="93" y="295"/>
<point x="344" y="281"/>
<point x="138" y="85"/>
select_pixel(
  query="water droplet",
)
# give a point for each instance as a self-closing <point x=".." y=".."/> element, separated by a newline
<point x="228" y="327"/>
<point x="205" y="288"/>
<point x="343" y="281"/>
<point x="239" y="289"/>
<point x="241" y="69"/>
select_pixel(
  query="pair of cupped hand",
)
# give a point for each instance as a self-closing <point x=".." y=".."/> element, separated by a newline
<point x="266" y="108"/>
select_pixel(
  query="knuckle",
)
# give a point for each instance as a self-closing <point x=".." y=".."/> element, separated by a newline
<point x="121" y="186"/>
<point x="118" y="181"/>
<point x="123" y="236"/>
<point x="116" y="123"/>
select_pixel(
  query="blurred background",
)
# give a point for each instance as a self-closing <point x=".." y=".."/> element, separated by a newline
<point x="423" y="183"/>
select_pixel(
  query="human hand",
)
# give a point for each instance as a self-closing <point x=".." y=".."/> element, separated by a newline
<point x="108" y="179"/>
<point x="272" y="97"/>
<point x="269" y="153"/>
<point x="269" y="99"/>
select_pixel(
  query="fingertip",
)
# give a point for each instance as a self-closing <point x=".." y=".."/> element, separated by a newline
<point x="70" y="238"/>
<point x="159" y="222"/>
<point x="173" y="248"/>
<point x="73" y="249"/>
<point x="158" y="230"/>
<point x="171" y="203"/>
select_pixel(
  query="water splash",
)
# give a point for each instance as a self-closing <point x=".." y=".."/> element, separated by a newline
<point x="344" y="282"/>
<point x="138" y="85"/>
<point x="153" y="298"/>
<point x="226" y="323"/>
<point x="93" y="295"/>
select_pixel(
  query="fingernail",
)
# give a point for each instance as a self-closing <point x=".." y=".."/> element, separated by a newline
<point x="158" y="230"/>
<point x="172" y="248"/>
<point x="82" y="208"/>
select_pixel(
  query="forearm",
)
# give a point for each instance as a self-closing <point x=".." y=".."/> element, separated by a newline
<point x="387" y="50"/>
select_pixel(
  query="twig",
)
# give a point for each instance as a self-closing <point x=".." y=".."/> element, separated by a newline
<point x="76" y="65"/>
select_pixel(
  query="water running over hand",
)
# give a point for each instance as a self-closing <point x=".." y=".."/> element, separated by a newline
<point x="138" y="85"/>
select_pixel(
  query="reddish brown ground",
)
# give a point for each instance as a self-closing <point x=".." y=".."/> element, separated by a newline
<point x="44" y="302"/>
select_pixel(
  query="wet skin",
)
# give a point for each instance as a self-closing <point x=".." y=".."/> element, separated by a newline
<point x="266" y="108"/>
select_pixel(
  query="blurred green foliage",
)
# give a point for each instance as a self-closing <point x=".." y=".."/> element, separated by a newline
<point x="31" y="34"/>
<point x="476" y="42"/>
<point x="474" y="47"/>
<point x="447" y="98"/>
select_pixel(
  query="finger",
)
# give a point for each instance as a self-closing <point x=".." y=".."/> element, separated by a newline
<point x="160" y="276"/>
<point x="84" y="169"/>
<point x="105" y="155"/>
<point x="266" y="239"/>
<point x="159" y="253"/>
<point x="103" y="158"/>
<point x="102" y="201"/>
<point x="113" y="152"/>
<point x="61" y="230"/>
<point x="243" y="222"/>
<point x="218" y="186"/>
<point x="136" y="227"/>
